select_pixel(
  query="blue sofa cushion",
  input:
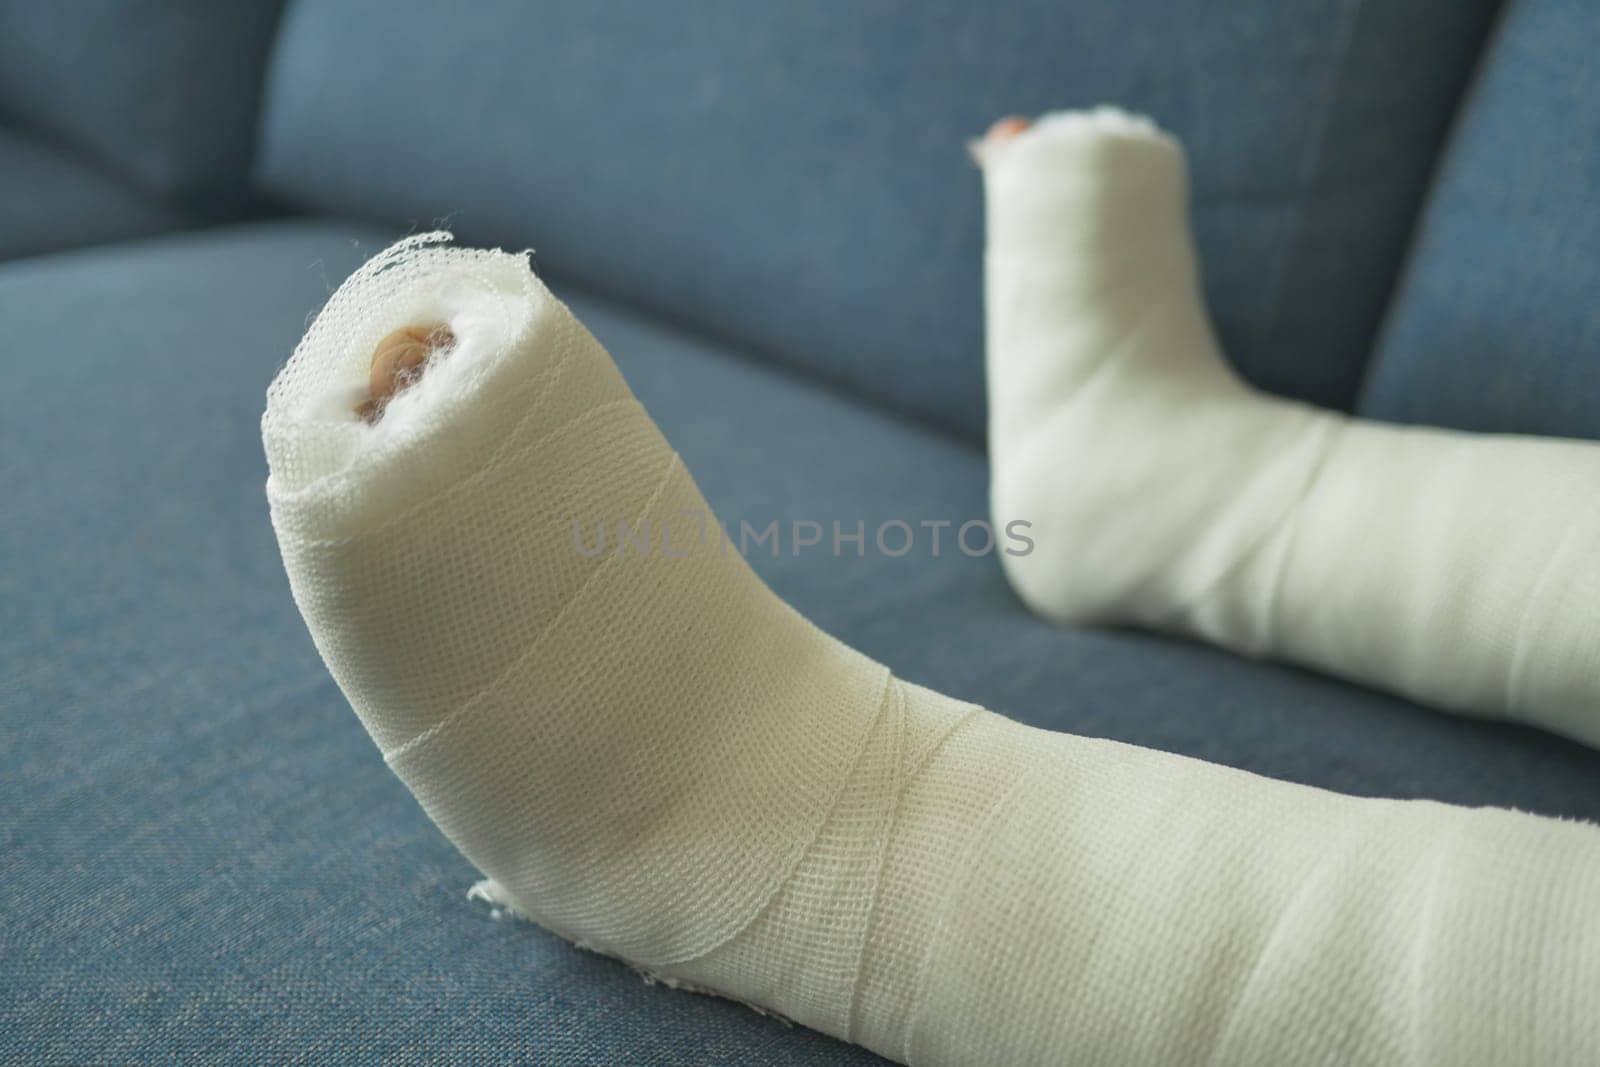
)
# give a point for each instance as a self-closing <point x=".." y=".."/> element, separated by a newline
<point x="1496" y="325"/>
<point x="163" y="91"/>
<point x="50" y="200"/>
<point x="791" y="177"/>
<point x="205" y="859"/>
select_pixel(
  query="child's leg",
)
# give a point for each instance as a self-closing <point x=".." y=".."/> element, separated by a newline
<point x="652" y="755"/>
<point x="1459" y="569"/>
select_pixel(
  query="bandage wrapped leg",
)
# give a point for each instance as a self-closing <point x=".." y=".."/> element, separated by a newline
<point x="1462" y="570"/>
<point x="650" y="754"/>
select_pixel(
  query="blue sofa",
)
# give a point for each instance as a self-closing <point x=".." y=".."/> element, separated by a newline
<point x="766" y="213"/>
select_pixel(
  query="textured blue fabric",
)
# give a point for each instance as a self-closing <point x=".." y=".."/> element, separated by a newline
<point x="163" y="91"/>
<point x="1496" y="326"/>
<point x="50" y="200"/>
<point x="203" y="858"/>
<point x="791" y="177"/>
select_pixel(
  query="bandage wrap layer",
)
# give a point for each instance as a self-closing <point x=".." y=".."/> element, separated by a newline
<point x="651" y="755"/>
<point x="1462" y="570"/>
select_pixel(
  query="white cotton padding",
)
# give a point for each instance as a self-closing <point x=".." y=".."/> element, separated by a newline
<point x="653" y="756"/>
<point x="1462" y="570"/>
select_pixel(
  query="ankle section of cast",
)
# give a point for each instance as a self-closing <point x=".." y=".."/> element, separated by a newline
<point x="844" y="946"/>
<point x="1116" y="426"/>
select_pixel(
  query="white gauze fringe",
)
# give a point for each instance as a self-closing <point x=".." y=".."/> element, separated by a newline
<point x="652" y="755"/>
<point x="1462" y="570"/>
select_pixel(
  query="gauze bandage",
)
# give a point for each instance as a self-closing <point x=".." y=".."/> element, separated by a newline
<point x="1462" y="570"/>
<point x="647" y="752"/>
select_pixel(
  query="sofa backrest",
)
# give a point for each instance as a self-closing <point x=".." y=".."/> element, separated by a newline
<point x="163" y="92"/>
<point x="1497" y="323"/>
<point x="791" y="177"/>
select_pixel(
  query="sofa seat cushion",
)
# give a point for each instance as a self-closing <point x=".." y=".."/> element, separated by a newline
<point x="51" y="200"/>
<point x="205" y="858"/>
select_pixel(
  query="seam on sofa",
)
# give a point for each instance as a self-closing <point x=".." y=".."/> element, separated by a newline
<point x="1418" y="217"/>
